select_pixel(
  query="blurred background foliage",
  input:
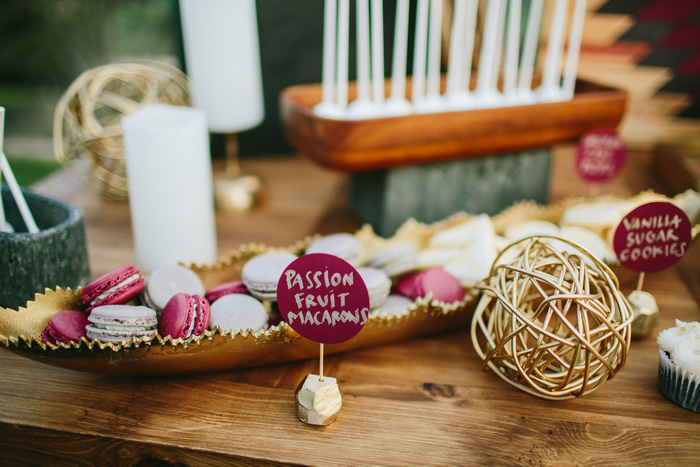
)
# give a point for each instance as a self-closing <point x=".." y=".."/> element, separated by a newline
<point x="47" y="44"/>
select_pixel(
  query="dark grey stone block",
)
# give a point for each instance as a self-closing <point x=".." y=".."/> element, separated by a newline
<point x="431" y="192"/>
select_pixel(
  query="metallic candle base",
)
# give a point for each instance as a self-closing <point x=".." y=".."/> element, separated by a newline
<point x="318" y="402"/>
<point x="235" y="190"/>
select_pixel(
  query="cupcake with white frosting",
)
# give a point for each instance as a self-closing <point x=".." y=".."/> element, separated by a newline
<point x="679" y="364"/>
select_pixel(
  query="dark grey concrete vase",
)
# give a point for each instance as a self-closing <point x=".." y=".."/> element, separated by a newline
<point x="55" y="256"/>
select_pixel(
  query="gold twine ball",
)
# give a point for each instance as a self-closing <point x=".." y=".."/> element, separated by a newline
<point x="551" y="320"/>
<point x="87" y="120"/>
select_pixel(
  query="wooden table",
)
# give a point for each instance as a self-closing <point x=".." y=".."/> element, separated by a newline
<point x="421" y="402"/>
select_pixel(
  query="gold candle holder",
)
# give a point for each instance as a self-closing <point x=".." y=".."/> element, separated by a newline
<point x="646" y="313"/>
<point x="235" y="190"/>
<point x="318" y="400"/>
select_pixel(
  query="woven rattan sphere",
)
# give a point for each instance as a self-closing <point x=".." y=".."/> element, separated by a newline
<point x="87" y="121"/>
<point x="552" y="322"/>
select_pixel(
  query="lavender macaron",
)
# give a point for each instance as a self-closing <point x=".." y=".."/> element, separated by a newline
<point x="262" y="273"/>
<point x="121" y="323"/>
<point x="342" y="245"/>
<point x="165" y="282"/>
<point x="238" y="312"/>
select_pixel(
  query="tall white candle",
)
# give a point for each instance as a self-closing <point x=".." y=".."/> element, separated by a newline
<point x="573" y="49"/>
<point x="170" y="186"/>
<point x="419" y="52"/>
<point x="527" y="64"/>
<point x="434" y="49"/>
<point x="510" y="68"/>
<point x="454" y="64"/>
<point x="551" y="76"/>
<point x="469" y="33"/>
<point x="222" y="54"/>
<point x="397" y="101"/>
<point x="330" y="13"/>
<point x="341" y="74"/>
<point x="377" y="51"/>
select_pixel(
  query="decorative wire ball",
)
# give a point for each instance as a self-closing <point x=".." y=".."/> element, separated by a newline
<point x="87" y="122"/>
<point x="551" y="319"/>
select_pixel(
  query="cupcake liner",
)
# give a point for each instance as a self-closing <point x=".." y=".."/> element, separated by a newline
<point x="680" y="387"/>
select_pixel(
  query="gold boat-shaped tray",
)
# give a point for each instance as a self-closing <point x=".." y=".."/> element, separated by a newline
<point x="20" y="329"/>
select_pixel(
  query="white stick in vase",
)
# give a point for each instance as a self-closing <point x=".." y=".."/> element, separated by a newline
<point x="434" y="54"/>
<point x="4" y="225"/>
<point x="551" y="78"/>
<point x="341" y="74"/>
<point x="487" y="56"/>
<point x="498" y="49"/>
<point x="328" y="104"/>
<point x="362" y="106"/>
<point x="532" y="34"/>
<point x="12" y="183"/>
<point x="573" y="49"/>
<point x="469" y="33"/>
<point x="454" y="64"/>
<point x="419" y="52"/>
<point x="510" y="68"/>
<point x="398" y="105"/>
<point x="377" y="36"/>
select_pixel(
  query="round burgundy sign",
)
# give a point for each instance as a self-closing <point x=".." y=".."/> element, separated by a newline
<point x="652" y="237"/>
<point x="323" y="298"/>
<point x="600" y="156"/>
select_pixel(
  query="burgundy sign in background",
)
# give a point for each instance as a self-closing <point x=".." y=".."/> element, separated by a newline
<point x="601" y="155"/>
<point x="652" y="237"/>
<point x="323" y="298"/>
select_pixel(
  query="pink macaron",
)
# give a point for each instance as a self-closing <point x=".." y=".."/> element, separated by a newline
<point x="114" y="288"/>
<point x="64" y="327"/>
<point x="436" y="281"/>
<point x="184" y="315"/>
<point x="226" y="289"/>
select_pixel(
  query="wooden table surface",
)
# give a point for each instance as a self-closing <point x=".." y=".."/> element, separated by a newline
<point x="420" y="402"/>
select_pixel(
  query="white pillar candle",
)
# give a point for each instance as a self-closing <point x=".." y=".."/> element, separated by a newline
<point x="377" y="52"/>
<point x="420" y="45"/>
<point x="329" y="44"/>
<point x="527" y="64"/>
<point x="223" y="62"/>
<point x="551" y="76"/>
<point x="573" y="49"/>
<point x="510" y="68"/>
<point x="397" y="102"/>
<point x="170" y="186"/>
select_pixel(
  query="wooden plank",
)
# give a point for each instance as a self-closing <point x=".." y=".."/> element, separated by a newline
<point x="421" y="402"/>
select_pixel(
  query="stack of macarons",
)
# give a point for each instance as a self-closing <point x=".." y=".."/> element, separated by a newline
<point x="123" y="306"/>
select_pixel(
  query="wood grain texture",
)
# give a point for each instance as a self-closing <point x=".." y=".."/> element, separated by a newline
<point x="421" y="402"/>
<point x="379" y="143"/>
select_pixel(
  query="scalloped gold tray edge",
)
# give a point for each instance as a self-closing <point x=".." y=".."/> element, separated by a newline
<point x="217" y="351"/>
